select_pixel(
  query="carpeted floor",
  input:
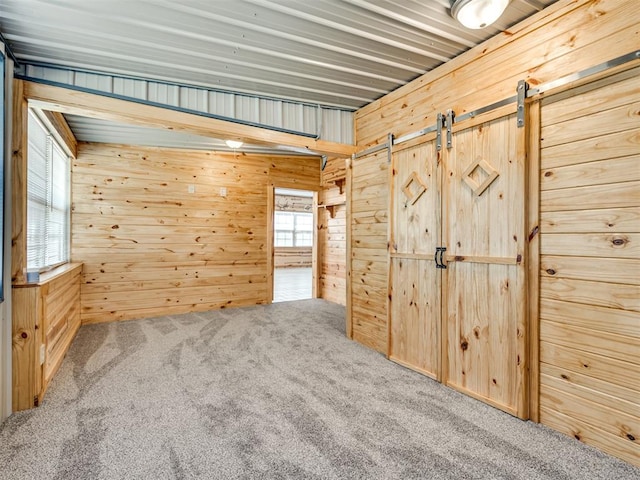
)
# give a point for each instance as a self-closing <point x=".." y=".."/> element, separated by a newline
<point x="268" y="392"/>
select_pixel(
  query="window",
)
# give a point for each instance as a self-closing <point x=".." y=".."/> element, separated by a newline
<point x="293" y="229"/>
<point x="48" y="205"/>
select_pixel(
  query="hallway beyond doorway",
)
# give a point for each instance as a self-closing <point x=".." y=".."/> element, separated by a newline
<point x="291" y="284"/>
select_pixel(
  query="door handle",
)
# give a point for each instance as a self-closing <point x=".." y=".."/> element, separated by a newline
<point x="440" y="259"/>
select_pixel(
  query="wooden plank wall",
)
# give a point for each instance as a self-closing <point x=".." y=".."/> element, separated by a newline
<point x="332" y="224"/>
<point x="25" y="346"/>
<point x="150" y="247"/>
<point x="369" y="261"/>
<point x="287" y="257"/>
<point x="61" y="316"/>
<point x="590" y="266"/>
<point x="567" y="37"/>
<point x="564" y="38"/>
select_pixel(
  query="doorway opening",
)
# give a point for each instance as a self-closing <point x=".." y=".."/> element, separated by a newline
<point x="293" y="249"/>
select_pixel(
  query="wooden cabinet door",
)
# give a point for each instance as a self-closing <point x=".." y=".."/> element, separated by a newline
<point x="414" y="281"/>
<point x="484" y="285"/>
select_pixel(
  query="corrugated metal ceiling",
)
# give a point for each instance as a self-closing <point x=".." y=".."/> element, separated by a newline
<point x="102" y="131"/>
<point x="343" y="53"/>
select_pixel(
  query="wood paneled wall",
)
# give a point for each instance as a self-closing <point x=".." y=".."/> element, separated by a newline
<point x="332" y="240"/>
<point x="61" y="316"/>
<point x="287" y="257"/>
<point x="158" y="234"/>
<point x="588" y="310"/>
<point x="564" y="38"/>
<point x="367" y="255"/>
<point x="590" y="265"/>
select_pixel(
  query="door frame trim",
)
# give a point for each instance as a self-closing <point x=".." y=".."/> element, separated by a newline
<point x="315" y="251"/>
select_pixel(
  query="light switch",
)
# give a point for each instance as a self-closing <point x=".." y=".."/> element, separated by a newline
<point x="192" y="188"/>
<point x="223" y="191"/>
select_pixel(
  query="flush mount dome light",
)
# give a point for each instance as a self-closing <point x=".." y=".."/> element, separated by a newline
<point x="233" y="144"/>
<point x="477" y="14"/>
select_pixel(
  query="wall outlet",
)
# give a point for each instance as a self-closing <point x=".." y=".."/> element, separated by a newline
<point x="191" y="188"/>
<point x="223" y="191"/>
<point x="42" y="354"/>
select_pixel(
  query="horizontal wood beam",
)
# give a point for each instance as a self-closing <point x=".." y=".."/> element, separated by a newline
<point x="59" y="125"/>
<point x="70" y="101"/>
<point x="19" y="149"/>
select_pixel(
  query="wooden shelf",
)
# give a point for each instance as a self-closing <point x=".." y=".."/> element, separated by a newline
<point x="49" y="276"/>
<point x="331" y="208"/>
<point x="338" y="182"/>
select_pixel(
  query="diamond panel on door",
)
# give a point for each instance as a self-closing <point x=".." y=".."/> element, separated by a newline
<point x="484" y="169"/>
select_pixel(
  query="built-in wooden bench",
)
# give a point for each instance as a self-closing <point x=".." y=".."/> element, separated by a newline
<point x="46" y="318"/>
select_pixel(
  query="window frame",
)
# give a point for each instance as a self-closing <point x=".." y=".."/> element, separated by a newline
<point x="294" y="232"/>
<point x="49" y="200"/>
<point x="3" y="143"/>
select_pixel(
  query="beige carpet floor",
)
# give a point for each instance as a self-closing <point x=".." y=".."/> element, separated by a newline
<point x="269" y="392"/>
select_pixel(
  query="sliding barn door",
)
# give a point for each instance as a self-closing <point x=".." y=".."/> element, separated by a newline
<point x="414" y="337"/>
<point x="484" y="287"/>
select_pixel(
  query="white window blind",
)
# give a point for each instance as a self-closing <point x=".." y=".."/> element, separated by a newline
<point x="48" y="204"/>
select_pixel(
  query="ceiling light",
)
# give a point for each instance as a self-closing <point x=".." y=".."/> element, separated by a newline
<point x="477" y="14"/>
<point x="233" y="144"/>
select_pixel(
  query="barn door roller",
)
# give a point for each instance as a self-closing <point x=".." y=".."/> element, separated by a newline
<point x="521" y="96"/>
<point x="439" y="123"/>
<point x="450" y="119"/>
